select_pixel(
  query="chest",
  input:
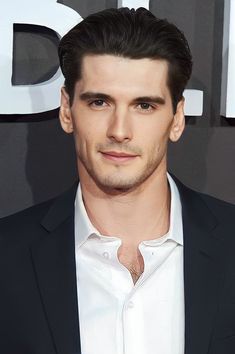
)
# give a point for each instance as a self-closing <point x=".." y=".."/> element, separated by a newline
<point x="136" y="317"/>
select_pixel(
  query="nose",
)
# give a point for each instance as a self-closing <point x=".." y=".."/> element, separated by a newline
<point x="120" y="129"/>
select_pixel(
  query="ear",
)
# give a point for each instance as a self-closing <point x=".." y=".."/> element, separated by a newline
<point x="178" y="123"/>
<point x="65" y="114"/>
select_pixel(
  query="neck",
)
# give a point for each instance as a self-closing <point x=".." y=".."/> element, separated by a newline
<point x="135" y="216"/>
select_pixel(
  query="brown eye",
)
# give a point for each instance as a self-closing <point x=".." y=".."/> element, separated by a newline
<point x="145" y="105"/>
<point x="98" y="103"/>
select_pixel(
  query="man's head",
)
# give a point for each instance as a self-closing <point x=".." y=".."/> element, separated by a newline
<point x="125" y="72"/>
<point x="134" y="34"/>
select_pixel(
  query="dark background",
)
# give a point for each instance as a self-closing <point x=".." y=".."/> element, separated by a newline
<point x="37" y="160"/>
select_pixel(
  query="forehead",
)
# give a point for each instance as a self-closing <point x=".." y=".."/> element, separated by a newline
<point x="119" y="74"/>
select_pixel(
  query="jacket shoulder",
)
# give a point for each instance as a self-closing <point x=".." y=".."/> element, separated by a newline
<point x="30" y="222"/>
<point x="219" y="207"/>
<point x="192" y="196"/>
<point x="206" y="207"/>
<point x="210" y="209"/>
<point x="27" y="219"/>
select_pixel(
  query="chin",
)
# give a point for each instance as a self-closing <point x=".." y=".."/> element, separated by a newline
<point x="121" y="180"/>
<point x="112" y="185"/>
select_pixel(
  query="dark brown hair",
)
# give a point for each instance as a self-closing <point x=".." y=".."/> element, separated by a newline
<point x="130" y="33"/>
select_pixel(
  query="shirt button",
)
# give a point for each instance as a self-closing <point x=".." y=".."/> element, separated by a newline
<point x="130" y="305"/>
<point x="106" y="255"/>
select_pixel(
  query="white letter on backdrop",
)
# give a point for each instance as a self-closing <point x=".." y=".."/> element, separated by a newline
<point x="134" y="4"/>
<point x="227" y="107"/>
<point x="27" y="99"/>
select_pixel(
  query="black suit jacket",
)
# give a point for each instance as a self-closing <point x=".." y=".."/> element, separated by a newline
<point x="38" y="296"/>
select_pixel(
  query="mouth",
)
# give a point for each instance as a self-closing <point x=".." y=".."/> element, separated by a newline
<point x="118" y="156"/>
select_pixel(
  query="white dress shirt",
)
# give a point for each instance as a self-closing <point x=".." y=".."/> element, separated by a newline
<point x="116" y="316"/>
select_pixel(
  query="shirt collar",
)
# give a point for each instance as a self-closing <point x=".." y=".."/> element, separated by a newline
<point x="84" y="227"/>
<point x="176" y="225"/>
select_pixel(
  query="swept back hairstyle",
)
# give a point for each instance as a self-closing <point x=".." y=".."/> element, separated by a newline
<point x="129" y="33"/>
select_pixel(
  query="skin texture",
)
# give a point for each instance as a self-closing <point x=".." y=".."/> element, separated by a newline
<point x="122" y="119"/>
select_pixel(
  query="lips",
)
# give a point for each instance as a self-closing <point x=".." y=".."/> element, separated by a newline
<point x="118" y="156"/>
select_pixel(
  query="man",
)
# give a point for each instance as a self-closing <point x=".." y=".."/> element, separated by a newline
<point x="130" y="260"/>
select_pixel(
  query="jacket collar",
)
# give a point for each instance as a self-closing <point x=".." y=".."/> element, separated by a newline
<point x="54" y="263"/>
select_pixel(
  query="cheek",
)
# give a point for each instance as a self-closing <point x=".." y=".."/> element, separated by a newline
<point x="86" y="139"/>
<point x="155" y="145"/>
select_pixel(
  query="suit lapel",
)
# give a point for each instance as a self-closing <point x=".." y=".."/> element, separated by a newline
<point x="54" y="263"/>
<point x="203" y="272"/>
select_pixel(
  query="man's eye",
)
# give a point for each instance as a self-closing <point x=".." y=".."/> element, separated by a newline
<point x="145" y="106"/>
<point x="97" y="103"/>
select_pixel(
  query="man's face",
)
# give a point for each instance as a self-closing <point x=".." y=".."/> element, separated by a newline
<point x="122" y="119"/>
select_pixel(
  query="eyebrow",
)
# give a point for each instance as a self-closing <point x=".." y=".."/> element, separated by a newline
<point x="150" y="99"/>
<point x="85" y="96"/>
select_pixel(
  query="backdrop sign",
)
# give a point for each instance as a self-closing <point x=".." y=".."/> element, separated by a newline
<point x="42" y="97"/>
<point x="228" y="67"/>
<point x="28" y="99"/>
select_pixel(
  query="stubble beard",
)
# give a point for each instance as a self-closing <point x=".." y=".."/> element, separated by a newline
<point x="117" y="182"/>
